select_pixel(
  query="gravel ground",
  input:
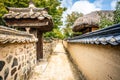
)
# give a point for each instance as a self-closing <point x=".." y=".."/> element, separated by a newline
<point x="58" y="67"/>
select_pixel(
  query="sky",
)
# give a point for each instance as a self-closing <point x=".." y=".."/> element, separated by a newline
<point x="87" y="6"/>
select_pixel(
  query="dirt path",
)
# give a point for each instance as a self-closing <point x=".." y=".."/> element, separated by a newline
<point x="58" y="67"/>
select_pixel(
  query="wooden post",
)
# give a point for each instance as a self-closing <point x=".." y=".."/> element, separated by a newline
<point x="39" y="45"/>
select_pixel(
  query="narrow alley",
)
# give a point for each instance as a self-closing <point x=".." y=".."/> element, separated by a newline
<point x="58" y="67"/>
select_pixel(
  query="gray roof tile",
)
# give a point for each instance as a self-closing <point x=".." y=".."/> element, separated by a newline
<point x="8" y="35"/>
<point x="110" y="35"/>
<point x="30" y="12"/>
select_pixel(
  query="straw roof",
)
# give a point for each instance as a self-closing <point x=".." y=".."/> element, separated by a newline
<point x="91" y="19"/>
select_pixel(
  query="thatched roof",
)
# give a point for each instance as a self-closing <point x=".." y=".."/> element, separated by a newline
<point x="91" y="19"/>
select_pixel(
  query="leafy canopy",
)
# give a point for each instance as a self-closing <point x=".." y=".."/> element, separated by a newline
<point x="104" y="22"/>
<point x="70" y="19"/>
<point x="53" y="5"/>
<point x="117" y="13"/>
<point x="10" y="3"/>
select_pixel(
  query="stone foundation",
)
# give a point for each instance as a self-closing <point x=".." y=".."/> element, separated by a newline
<point x="48" y="47"/>
<point x="47" y="50"/>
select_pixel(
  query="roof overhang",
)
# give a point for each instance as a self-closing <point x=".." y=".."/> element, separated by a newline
<point x="83" y="26"/>
<point x="29" y="17"/>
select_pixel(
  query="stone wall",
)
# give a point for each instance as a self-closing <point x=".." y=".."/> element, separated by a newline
<point x="96" y="62"/>
<point x="17" y="54"/>
<point x="47" y="50"/>
<point x="48" y="47"/>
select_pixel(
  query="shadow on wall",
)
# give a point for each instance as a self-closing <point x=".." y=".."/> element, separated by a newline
<point x="97" y="62"/>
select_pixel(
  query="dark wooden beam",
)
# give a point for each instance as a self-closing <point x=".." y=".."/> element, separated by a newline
<point x="34" y="23"/>
<point x="39" y="45"/>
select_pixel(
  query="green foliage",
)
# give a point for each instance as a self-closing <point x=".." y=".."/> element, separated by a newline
<point x="116" y="18"/>
<point x="2" y="11"/>
<point x="56" y="11"/>
<point x="104" y="22"/>
<point x="16" y="3"/>
<point x="77" y="33"/>
<point x="70" y="19"/>
<point x="53" y="5"/>
<point x="67" y="31"/>
<point x="10" y="3"/>
<point x="117" y="13"/>
<point x="55" y="33"/>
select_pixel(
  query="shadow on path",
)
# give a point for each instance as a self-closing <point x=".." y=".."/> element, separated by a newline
<point x="58" y="67"/>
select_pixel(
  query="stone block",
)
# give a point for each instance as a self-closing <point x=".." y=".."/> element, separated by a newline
<point x="1" y="78"/>
<point x="9" y="58"/>
<point x="15" y="77"/>
<point x="15" y="62"/>
<point x="13" y="71"/>
<point x="2" y="63"/>
<point x="6" y="72"/>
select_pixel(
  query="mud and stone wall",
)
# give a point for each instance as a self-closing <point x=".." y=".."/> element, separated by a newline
<point x="17" y="54"/>
<point x="47" y="50"/>
<point x="96" y="62"/>
<point x="16" y="60"/>
<point x="48" y="47"/>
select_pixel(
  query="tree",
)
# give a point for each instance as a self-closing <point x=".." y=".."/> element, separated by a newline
<point x="70" y="19"/>
<point x="55" y="33"/>
<point x="67" y="31"/>
<point x="2" y="11"/>
<point x="56" y="11"/>
<point x="117" y="13"/>
<point x="10" y="3"/>
<point x="106" y="19"/>
<point x="53" y="5"/>
<point x="104" y="22"/>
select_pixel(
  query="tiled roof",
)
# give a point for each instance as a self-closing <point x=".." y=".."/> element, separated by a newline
<point x="18" y="13"/>
<point x="110" y="35"/>
<point x="8" y="35"/>
<point x="30" y="12"/>
<point x="31" y="17"/>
